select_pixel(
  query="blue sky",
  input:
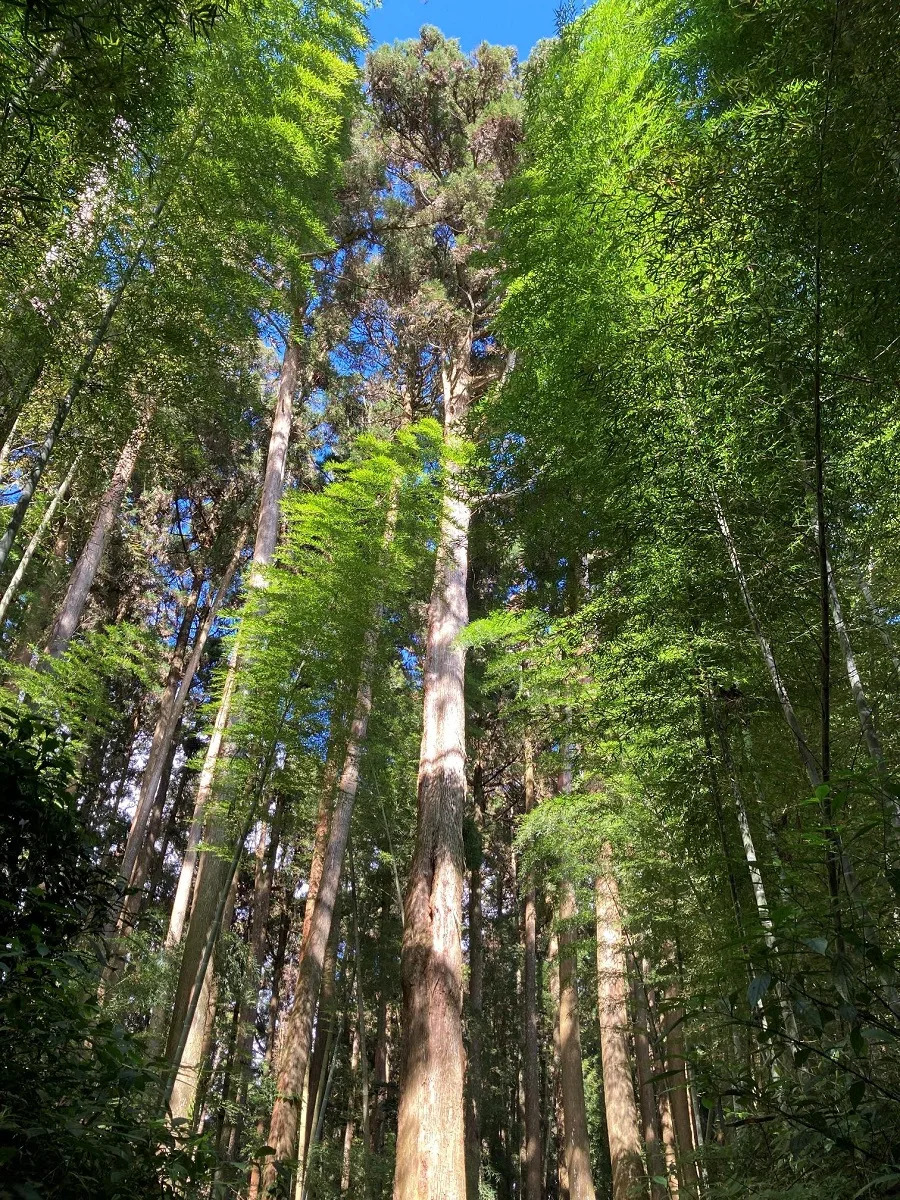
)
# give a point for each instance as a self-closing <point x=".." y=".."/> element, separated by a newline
<point x="517" y="23"/>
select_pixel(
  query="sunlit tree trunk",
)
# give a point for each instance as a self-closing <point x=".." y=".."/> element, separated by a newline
<point x="430" y="1163"/>
<point x="612" y="990"/>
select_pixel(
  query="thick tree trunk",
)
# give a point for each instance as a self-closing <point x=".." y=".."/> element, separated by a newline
<point x="85" y="570"/>
<point x="22" y="566"/>
<point x="295" y="1049"/>
<point x="430" y="1163"/>
<point x="578" y="1161"/>
<point x="612" y="988"/>
<point x="532" y="1064"/>
<point x="656" y="1165"/>
<point x="476" y="999"/>
<point x="677" y="1093"/>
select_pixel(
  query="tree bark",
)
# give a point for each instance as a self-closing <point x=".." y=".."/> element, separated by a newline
<point x="578" y="1161"/>
<point x="85" y="570"/>
<point x="677" y="1093"/>
<point x="476" y="999"/>
<point x="612" y="986"/>
<point x="656" y="1165"/>
<point x="430" y="1163"/>
<point x="294" y="1055"/>
<point x="213" y="870"/>
<point x="559" y="1111"/>
<point x="532" y="1065"/>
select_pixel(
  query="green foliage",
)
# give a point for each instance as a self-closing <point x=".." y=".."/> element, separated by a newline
<point x="79" y="1107"/>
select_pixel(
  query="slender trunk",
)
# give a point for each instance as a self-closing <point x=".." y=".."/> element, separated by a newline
<point x="559" y="1112"/>
<point x="22" y="566"/>
<point x="612" y="986"/>
<point x="863" y="707"/>
<point x="677" y="1092"/>
<point x="326" y="1016"/>
<point x="171" y="707"/>
<point x="836" y="861"/>
<point x="877" y="619"/>
<point x="86" y="362"/>
<point x="361" y="1029"/>
<point x="6" y="448"/>
<point x="264" y="875"/>
<point x="298" y="1034"/>
<point x="656" y="1165"/>
<point x="476" y="995"/>
<point x="532" y="1064"/>
<point x="271" y="1031"/>
<point x="350" y="1127"/>
<point x="85" y="570"/>
<point x="381" y="1073"/>
<point x="578" y="1162"/>
<point x="430" y="1162"/>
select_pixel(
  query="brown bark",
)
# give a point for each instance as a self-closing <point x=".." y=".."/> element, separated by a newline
<point x="578" y="1162"/>
<point x="294" y="1054"/>
<point x="326" y="1023"/>
<point x="430" y="1163"/>
<point x="476" y="999"/>
<point x="677" y="1093"/>
<point x="612" y="986"/>
<point x="559" y="1113"/>
<point x="85" y="569"/>
<point x="656" y="1165"/>
<point x="350" y="1127"/>
<point x="532" y="1065"/>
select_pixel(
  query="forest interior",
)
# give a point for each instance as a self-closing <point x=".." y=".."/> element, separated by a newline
<point x="450" y="617"/>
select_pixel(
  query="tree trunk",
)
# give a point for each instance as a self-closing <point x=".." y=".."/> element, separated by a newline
<point x="612" y="987"/>
<point x="476" y="995"/>
<point x="532" y="1064"/>
<point x="350" y="1127"/>
<point x="298" y="1034"/>
<point x="677" y="1092"/>
<point x="87" y="360"/>
<point x="22" y="566"/>
<point x="656" y="1165"/>
<point x="578" y="1161"/>
<point x="326" y="1017"/>
<point x="559" y="1112"/>
<point x="85" y="570"/>
<point x="172" y="702"/>
<point x="430" y="1163"/>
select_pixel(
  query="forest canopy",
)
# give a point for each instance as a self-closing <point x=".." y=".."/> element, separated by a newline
<point x="449" y="604"/>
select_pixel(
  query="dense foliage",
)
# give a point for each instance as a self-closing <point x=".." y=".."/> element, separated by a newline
<point x="450" y="598"/>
